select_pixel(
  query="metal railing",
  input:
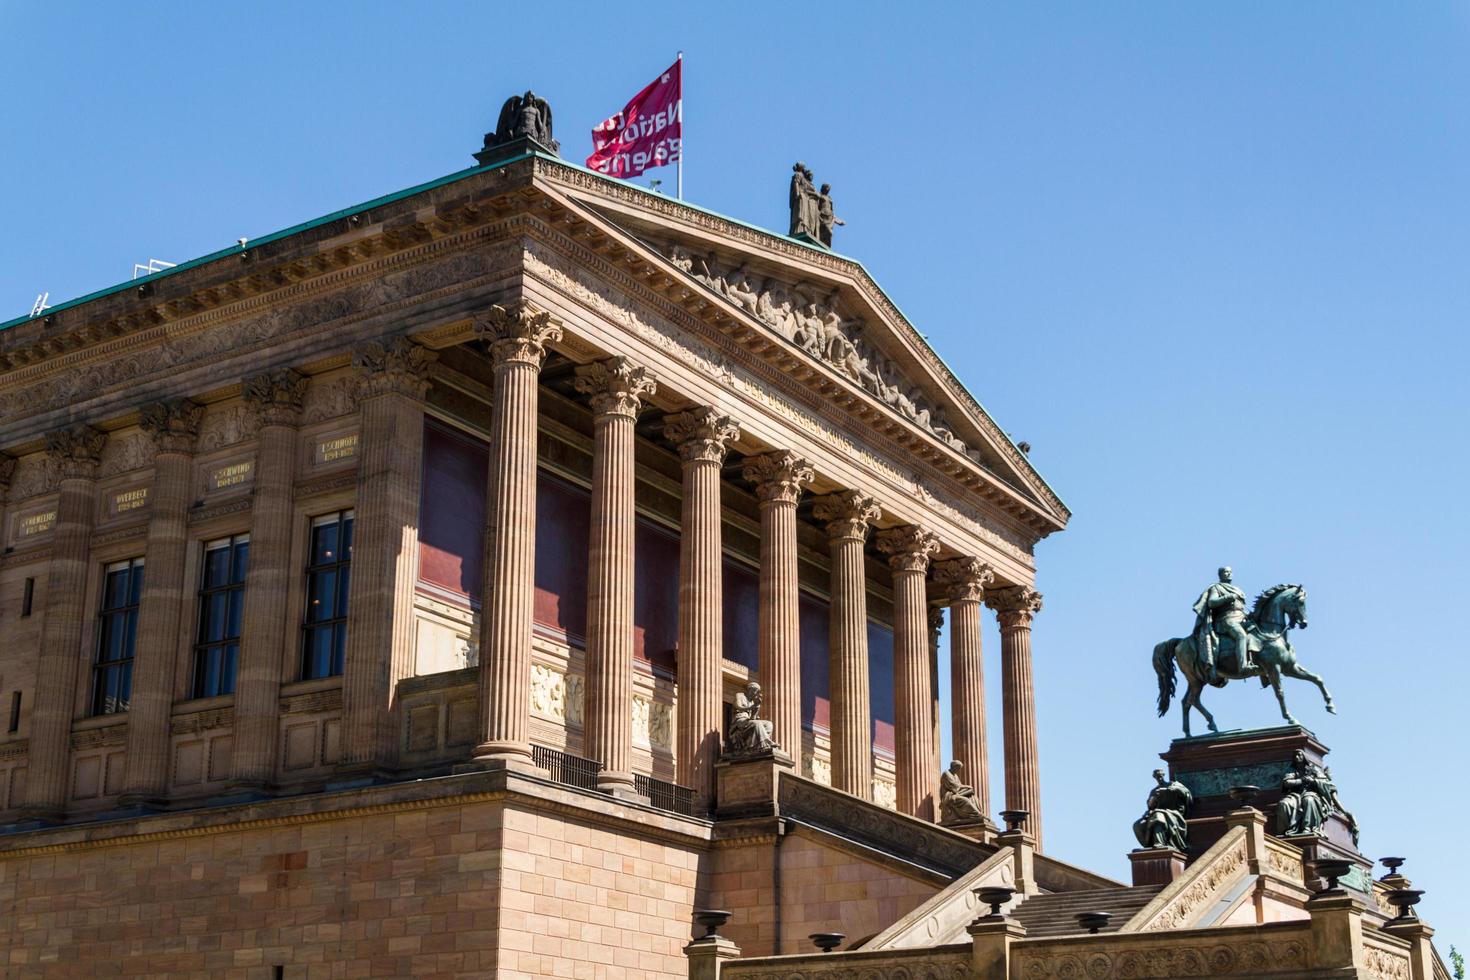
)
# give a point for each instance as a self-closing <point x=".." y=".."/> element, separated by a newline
<point x="665" y="795"/>
<point x="566" y="768"/>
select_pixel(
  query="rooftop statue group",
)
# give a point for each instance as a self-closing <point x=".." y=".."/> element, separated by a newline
<point x="812" y="214"/>
<point x="1231" y="642"/>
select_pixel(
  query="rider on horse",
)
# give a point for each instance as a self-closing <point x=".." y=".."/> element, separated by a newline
<point x="1220" y="613"/>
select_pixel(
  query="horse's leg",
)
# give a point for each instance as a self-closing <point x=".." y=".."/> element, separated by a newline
<point x="1195" y="690"/>
<point x="1184" y="703"/>
<point x="1274" y="675"/>
<point x="1296" y="670"/>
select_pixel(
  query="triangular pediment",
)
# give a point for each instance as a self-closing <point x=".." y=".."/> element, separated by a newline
<point x="825" y="308"/>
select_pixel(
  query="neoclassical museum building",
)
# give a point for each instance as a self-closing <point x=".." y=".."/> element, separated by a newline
<point x="378" y="596"/>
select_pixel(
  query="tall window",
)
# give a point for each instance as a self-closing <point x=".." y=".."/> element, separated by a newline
<point x="221" y="602"/>
<point x="327" y="576"/>
<point x="112" y="686"/>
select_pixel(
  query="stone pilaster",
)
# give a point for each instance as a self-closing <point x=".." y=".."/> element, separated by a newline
<point x="172" y="426"/>
<point x="615" y="388"/>
<point x="1014" y="606"/>
<point x="963" y="581"/>
<point x="392" y="380"/>
<point x="779" y="478"/>
<point x="74" y="452"/>
<point x="909" y="550"/>
<point x="276" y="400"/>
<point x="703" y="437"/>
<point x="517" y="340"/>
<point x="848" y="515"/>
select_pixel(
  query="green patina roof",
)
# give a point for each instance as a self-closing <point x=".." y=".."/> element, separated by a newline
<point x="440" y="182"/>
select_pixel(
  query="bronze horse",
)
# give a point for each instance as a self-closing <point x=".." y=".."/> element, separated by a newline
<point x="1277" y="610"/>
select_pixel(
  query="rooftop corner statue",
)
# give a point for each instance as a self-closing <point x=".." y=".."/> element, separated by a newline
<point x="813" y="215"/>
<point x="1229" y="643"/>
<point x="524" y="116"/>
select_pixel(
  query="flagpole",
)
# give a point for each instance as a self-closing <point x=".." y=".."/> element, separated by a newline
<point x="679" y="182"/>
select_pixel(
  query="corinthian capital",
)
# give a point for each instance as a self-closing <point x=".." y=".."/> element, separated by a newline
<point x="1014" y="605"/>
<point x="75" y="451"/>
<point x="964" y="579"/>
<point x="517" y="335"/>
<point x="778" y="476"/>
<point x="702" y="435"/>
<point x="847" y="513"/>
<point x="908" y="548"/>
<point x="276" y="396"/>
<point x="172" y="425"/>
<point x="398" y="367"/>
<point x="615" y="386"/>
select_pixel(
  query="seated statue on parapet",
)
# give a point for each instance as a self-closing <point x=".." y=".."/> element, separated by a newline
<point x="750" y="735"/>
<point x="1308" y="798"/>
<point x="1163" y="823"/>
<point x="957" y="803"/>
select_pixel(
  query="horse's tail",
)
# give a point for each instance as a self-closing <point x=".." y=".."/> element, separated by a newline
<point x="1164" y="667"/>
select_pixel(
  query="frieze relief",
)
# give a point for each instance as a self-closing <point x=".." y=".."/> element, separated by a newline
<point x="885" y="794"/>
<point x="611" y="305"/>
<point x="556" y="696"/>
<point x="917" y="965"/>
<point x="808" y="317"/>
<point x="329" y="400"/>
<point x="1215" y="960"/>
<point x="34" y="475"/>
<point x="1385" y="964"/>
<point x="128" y="361"/>
<point x="1183" y="908"/>
<point x="225" y="427"/>
<point x="120" y="455"/>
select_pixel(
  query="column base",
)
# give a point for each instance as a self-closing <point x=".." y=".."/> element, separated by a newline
<point x="1156" y="865"/>
<point x="507" y="762"/>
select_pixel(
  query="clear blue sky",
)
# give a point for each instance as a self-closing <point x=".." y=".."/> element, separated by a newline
<point x="1210" y="260"/>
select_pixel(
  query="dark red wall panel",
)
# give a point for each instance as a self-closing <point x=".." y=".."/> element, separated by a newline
<point x="563" y="518"/>
<point x="655" y="594"/>
<point x="741" y="616"/>
<point x="815" y="619"/>
<point x="452" y="510"/>
<point x="880" y="684"/>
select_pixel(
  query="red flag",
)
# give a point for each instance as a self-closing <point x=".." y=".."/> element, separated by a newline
<point x="647" y="133"/>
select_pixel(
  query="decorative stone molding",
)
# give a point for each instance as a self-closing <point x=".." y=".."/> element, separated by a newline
<point x="928" y="964"/>
<point x="518" y="335"/>
<point x="1385" y="964"/>
<point x="848" y="514"/>
<point x="7" y="470"/>
<point x="819" y="770"/>
<point x="34" y="475"/>
<point x="1014" y="605"/>
<point x="908" y="548"/>
<point x="556" y="696"/>
<point x="778" y="476"/>
<point x="398" y="367"/>
<point x="1132" y="961"/>
<point x="703" y="434"/>
<point x="226" y="427"/>
<point x="124" y="453"/>
<point x="75" y="452"/>
<point x="1180" y="903"/>
<point x="652" y="723"/>
<point x="329" y="400"/>
<point x="615" y="386"/>
<point x="276" y="396"/>
<point x="172" y="425"/>
<point x="964" y="579"/>
<point x="885" y="793"/>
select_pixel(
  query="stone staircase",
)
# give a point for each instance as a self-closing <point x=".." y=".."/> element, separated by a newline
<point x="1056" y="914"/>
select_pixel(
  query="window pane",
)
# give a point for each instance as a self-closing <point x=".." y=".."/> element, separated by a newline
<point x="124" y="685"/>
<point x="324" y="544"/>
<point x="216" y="566"/>
<point x="347" y="539"/>
<point x="213" y="619"/>
<point x="319" y="652"/>
<point x="322" y="599"/>
<point x="136" y="583"/>
<point x="339" y="647"/>
<point x="130" y="632"/>
<point x="236" y="611"/>
<point x="345" y="577"/>
<point x="229" y="655"/>
<point x="242" y="560"/>
<point x="115" y="592"/>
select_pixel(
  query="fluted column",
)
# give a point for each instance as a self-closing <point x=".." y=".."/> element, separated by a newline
<point x="269" y="579"/>
<point x="848" y="515"/>
<point x="74" y="453"/>
<point x="615" y="388"/>
<point x="703" y="437"/>
<point x="964" y="581"/>
<point x="779" y="478"/>
<point x="173" y="426"/>
<point x="392" y="380"/>
<point x="909" y="550"/>
<point x="1014" y="607"/>
<point x="516" y="339"/>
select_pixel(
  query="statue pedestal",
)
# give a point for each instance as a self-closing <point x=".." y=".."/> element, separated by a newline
<point x="747" y="786"/>
<point x="1156" y="865"/>
<point x="1210" y="765"/>
<point x="981" y="830"/>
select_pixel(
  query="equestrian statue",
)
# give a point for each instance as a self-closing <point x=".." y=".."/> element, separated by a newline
<point x="1229" y="643"/>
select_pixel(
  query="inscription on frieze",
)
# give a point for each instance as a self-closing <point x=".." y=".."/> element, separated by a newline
<point x="335" y="449"/>
<point x="230" y="476"/>
<point x="35" y="524"/>
<point x="125" y="501"/>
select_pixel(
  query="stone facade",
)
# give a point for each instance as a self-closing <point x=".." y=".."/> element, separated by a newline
<point x="475" y="539"/>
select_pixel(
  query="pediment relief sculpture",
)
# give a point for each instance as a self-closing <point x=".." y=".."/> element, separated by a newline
<point x="814" y="324"/>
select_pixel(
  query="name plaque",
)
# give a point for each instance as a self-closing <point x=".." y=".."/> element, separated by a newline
<point x="233" y="475"/>
<point x="336" y="449"/>
<point x="126" y="500"/>
<point x="34" y="524"/>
